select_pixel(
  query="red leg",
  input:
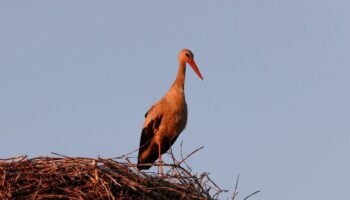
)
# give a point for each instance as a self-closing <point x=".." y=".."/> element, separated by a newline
<point x="160" y="159"/>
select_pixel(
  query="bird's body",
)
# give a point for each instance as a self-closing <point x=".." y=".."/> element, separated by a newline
<point x="167" y="118"/>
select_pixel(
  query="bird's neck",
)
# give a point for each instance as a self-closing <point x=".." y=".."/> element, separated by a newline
<point x="180" y="77"/>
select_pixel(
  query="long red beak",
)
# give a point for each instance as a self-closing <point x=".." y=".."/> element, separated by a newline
<point x="195" y="68"/>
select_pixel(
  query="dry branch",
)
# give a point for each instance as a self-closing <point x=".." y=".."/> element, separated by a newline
<point x="78" y="178"/>
<point x="62" y="177"/>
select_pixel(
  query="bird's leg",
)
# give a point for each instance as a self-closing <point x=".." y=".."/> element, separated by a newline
<point x="160" y="159"/>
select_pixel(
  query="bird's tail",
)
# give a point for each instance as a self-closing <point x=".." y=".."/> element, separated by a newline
<point x="146" y="159"/>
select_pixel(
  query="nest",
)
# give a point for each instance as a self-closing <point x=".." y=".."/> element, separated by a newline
<point x="62" y="177"/>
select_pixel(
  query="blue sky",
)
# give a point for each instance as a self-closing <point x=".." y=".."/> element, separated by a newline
<point x="76" y="78"/>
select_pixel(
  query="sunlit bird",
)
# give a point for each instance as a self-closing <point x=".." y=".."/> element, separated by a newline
<point x="166" y="119"/>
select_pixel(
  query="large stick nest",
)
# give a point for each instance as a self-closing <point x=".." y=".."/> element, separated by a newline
<point x="62" y="177"/>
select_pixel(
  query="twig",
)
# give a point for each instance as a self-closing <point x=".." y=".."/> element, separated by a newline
<point x="254" y="193"/>
<point x="235" y="192"/>
<point x="193" y="152"/>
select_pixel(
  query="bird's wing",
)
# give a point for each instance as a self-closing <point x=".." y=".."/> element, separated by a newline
<point x="149" y="130"/>
<point x="149" y="110"/>
<point x="152" y="122"/>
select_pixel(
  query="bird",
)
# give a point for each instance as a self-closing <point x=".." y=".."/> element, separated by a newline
<point x="167" y="118"/>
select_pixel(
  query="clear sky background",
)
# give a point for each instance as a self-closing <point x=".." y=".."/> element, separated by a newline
<point x="76" y="78"/>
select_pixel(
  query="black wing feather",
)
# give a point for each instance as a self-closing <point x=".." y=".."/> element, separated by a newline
<point x="145" y="142"/>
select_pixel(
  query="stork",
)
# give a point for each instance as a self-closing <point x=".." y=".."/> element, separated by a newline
<point x="166" y="119"/>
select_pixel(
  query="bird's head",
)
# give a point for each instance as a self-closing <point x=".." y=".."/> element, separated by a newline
<point x="187" y="56"/>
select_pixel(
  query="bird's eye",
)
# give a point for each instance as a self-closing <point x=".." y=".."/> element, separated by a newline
<point x="188" y="55"/>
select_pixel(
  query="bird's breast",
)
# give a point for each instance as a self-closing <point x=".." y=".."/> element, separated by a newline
<point x="175" y="118"/>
